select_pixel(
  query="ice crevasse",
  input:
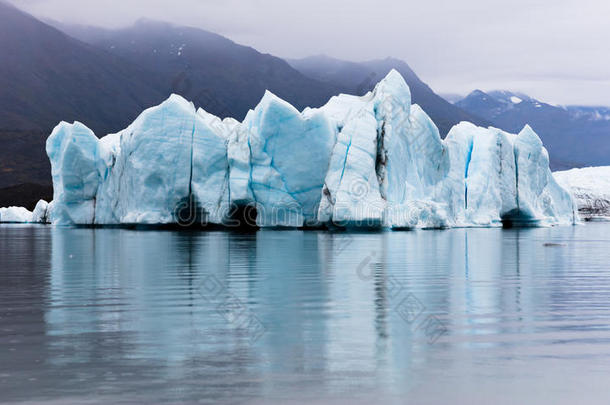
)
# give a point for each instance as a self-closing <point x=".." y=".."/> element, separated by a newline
<point x="372" y="161"/>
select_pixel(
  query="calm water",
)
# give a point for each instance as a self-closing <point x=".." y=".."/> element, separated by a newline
<point x="466" y="316"/>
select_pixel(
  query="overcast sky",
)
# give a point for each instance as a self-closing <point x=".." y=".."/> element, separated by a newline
<point x="555" y="50"/>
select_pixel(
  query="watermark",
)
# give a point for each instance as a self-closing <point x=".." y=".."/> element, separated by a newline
<point x="406" y="304"/>
<point x="233" y="310"/>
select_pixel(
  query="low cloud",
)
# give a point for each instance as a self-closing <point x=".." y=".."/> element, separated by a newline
<point x="555" y="51"/>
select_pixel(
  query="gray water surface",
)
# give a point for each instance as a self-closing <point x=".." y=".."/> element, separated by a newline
<point x="463" y="316"/>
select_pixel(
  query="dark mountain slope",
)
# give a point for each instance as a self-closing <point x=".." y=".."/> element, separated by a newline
<point x="361" y="77"/>
<point x="47" y="76"/>
<point x="225" y="78"/>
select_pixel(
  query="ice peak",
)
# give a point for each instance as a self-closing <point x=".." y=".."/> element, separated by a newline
<point x="268" y="97"/>
<point x="393" y="80"/>
<point x="528" y="135"/>
<point x="393" y="84"/>
<point x="178" y="101"/>
<point x="66" y="126"/>
<point x="270" y="101"/>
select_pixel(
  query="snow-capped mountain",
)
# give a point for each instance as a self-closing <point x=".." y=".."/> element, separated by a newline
<point x="574" y="135"/>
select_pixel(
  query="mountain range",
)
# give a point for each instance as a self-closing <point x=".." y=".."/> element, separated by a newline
<point x="574" y="135"/>
<point x="358" y="78"/>
<point x="104" y="78"/>
<point x="228" y="79"/>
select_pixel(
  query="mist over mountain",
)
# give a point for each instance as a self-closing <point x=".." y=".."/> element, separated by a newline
<point x="105" y="78"/>
<point x="228" y="79"/>
<point x="574" y="135"/>
<point x="224" y="78"/>
<point x="47" y="76"/>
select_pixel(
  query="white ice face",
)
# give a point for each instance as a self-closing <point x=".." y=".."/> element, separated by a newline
<point x="74" y="151"/>
<point x="15" y="215"/>
<point x="40" y="213"/>
<point x="591" y="189"/>
<point x="374" y="161"/>
<point x="23" y="215"/>
<point x="281" y="168"/>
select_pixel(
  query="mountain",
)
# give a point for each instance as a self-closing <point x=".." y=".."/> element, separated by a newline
<point x="105" y="78"/>
<point x="358" y="78"/>
<point x="451" y="97"/>
<point x="47" y="76"/>
<point x="575" y="136"/>
<point x="228" y="79"/>
<point x="225" y="78"/>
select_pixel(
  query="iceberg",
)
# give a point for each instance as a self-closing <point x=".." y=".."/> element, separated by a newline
<point x="23" y="215"/>
<point x="170" y="158"/>
<point x="278" y="162"/>
<point x="74" y="152"/>
<point x="15" y="215"/>
<point x="39" y="215"/>
<point x="371" y="161"/>
<point x="591" y="189"/>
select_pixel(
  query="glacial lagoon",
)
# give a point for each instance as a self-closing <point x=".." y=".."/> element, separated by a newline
<point x="288" y="317"/>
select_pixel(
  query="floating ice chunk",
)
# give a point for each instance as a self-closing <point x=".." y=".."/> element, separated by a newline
<point x="39" y="215"/>
<point x="23" y="215"/>
<point x="15" y="215"/>
<point x="491" y="190"/>
<point x="539" y="197"/>
<point x="74" y="153"/>
<point x="591" y="189"/>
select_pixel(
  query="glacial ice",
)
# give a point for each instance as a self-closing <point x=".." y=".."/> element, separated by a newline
<point x="15" y="215"/>
<point x="372" y="161"/>
<point x="23" y="215"/>
<point x="74" y="152"/>
<point x="39" y="215"/>
<point x="591" y="189"/>
<point x="147" y="173"/>
<point x="281" y="163"/>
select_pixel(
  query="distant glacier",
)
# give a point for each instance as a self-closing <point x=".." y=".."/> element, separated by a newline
<point x="372" y="161"/>
<point x="591" y="189"/>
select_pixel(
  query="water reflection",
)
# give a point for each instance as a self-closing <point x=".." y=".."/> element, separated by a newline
<point x="122" y="313"/>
